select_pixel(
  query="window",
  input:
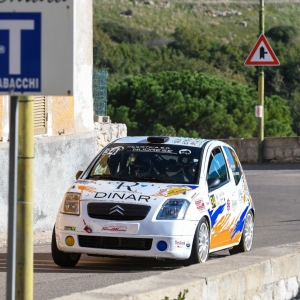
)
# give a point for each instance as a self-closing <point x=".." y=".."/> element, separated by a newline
<point x="40" y="115"/>
<point x="163" y="163"/>
<point x="217" y="166"/>
<point x="234" y="164"/>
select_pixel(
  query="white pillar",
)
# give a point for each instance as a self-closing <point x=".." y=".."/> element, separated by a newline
<point x="83" y="71"/>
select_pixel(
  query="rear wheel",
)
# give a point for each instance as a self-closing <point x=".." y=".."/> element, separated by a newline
<point x="61" y="258"/>
<point x="245" y="244"/>
<point x="200" y="249"/>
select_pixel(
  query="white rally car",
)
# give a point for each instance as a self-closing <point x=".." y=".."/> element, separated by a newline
<point x="161" y="197"/>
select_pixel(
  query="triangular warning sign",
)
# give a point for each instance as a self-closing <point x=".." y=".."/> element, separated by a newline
<point x="262" y="54"/>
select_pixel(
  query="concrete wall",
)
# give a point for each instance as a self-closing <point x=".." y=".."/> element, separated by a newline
<point x="267" y="273"/>
<point x="57" y="159"/>
<point x="275" y="150"/>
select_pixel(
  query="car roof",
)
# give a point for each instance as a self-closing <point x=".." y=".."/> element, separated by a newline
<point x="171" y="140"/>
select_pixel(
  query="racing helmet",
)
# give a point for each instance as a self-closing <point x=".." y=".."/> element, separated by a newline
<point x="192" y="168"/>
<point x="141" y="165"/>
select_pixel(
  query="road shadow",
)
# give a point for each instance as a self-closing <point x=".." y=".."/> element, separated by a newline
<point x="43" y="263"/>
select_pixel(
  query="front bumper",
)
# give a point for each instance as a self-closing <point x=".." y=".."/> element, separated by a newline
<point x="177" y="234"/>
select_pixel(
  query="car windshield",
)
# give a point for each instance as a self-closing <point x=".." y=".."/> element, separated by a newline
<point x="152" y="163"/>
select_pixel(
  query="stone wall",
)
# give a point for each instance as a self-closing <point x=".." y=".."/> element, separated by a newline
<point x="275" y="150"/>
<point x="107" y="132"/>
<point x="282" y="149"/>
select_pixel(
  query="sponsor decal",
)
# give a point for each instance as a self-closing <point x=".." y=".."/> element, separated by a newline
<point x="188" y="245"/>
<point x="113" y="151"/>
<point x="185" y="151"/>
<point x="177" y="191"/>
<point x="177" y="141"/>
<point x="172" y="191"/>
<point x="83" y="181"/>
<point x="87" y="228"/>
<point x="70" y="228"/>
<point x="228" y="204"/>
<point x="127" y="185"/>
<point x="180" y="244"/>
<point x="213" y="201"/>
<point x="114" y="228"/>
<point x="221" y="200"/>
<point x="86" y="188"/>
<point x="156" y="149"/>
<point x="200" y="204"/>
<point x="122" y="196"/>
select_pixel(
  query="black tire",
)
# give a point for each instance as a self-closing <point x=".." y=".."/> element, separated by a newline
<point x="61" y="258"/>
<point x="246" y="241"/>
<point x="201" y="243"/>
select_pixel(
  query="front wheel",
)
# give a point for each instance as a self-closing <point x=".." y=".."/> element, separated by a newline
<point x="201" y="242"/>
<point x="245" y="244"/>
<point x="61" y="258"/>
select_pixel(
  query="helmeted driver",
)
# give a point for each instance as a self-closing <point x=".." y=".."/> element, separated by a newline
<point x="191" y="171"/>
<point x="142" y="166"/>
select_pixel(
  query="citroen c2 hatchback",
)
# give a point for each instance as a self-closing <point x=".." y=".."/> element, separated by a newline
<point x="162" y="197"/>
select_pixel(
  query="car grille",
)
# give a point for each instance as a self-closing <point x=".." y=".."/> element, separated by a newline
<point x="105" y="242"/>
<point x="117" y="211"/>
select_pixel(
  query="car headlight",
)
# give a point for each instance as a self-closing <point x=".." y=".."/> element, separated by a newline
<point x="71" y="204"/>
<point x="173" y="209"/>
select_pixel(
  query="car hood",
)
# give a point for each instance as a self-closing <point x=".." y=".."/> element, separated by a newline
<point x="132" y="192"/>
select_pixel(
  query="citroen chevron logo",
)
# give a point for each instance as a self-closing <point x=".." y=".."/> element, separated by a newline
<point x="117" y="209"/>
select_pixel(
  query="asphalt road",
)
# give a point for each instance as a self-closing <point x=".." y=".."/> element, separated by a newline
<point x="275" y="190"/>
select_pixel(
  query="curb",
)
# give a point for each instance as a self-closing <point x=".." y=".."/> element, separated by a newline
<point x="265" y="273"/>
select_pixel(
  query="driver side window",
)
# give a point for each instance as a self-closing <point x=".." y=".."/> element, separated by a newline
<point x="217" y="166"/>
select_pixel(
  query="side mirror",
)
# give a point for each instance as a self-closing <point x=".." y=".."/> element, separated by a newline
<point x="78" y="174"/>
<point x="213" y="182"/>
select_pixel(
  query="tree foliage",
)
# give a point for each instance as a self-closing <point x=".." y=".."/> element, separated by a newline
<point x="191" y="104"/>
<point x="130" y="52"/>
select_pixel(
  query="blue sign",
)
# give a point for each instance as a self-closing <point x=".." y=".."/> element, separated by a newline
<point x="20" y="52"/>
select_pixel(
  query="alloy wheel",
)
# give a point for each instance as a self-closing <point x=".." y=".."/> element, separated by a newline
<point x="203" y="242"/>
<point x="248" y="231"/>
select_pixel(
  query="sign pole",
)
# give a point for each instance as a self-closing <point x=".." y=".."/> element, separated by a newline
<point x="24" y="251"/>
<point x="261" y="89"/>
<point x="11" y="239"/>
<point x="261" y="55"/>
